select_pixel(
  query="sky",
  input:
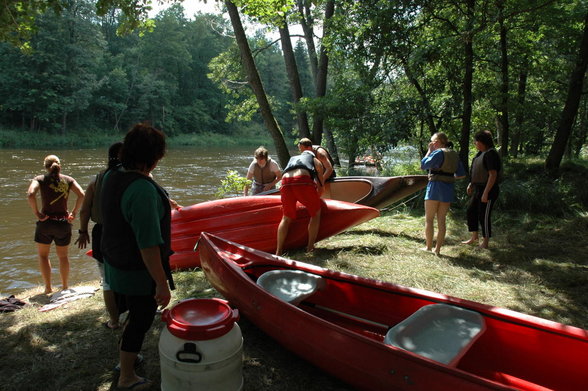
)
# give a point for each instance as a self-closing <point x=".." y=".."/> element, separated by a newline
<point x="191" y="6"/>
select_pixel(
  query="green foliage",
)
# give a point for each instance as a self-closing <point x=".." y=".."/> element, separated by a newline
<point x="232" y="185"/>
<point x="527" y="187"/>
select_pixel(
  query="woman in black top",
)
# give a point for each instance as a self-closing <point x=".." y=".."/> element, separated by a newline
<point x="485" y="173"/>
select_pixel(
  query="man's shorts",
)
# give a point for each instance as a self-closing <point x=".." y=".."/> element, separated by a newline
<point x="53" y="230"/>
<point x="301" y="189"/>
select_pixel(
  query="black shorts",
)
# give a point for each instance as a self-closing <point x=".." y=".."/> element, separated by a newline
<point x="53" y="230"/>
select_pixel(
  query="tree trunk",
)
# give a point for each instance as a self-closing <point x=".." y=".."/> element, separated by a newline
<point x="570" y="110"/>
<point x="466" y="126"/>
<point x="256" y="85"/>
<point x="424" y="99"/>
<point x="520" y="112"/>
<point x="504" y="87"/>
<point x="306" y="22"/>
<point x="321" y="79"/>
<point x="294" y="79"/>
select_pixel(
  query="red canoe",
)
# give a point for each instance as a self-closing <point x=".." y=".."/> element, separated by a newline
<point x="254" y="221"/>
<point x="381" y="336"/>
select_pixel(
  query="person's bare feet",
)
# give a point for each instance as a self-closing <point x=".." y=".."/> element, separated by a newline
<point x="425" y="249"/>
<point x="469" y="241"/>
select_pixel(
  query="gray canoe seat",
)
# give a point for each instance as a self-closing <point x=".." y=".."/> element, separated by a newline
<point x="292" y="286"/>
<point x="440" y="332"/>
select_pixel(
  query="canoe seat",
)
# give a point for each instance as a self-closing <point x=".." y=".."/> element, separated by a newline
<point x="440" y="332"/>
<point x="292" y="286"/>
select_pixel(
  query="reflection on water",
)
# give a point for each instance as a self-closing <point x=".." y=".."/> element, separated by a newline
<point x="190" y="175"/>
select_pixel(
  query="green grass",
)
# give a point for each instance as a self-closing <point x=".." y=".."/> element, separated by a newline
<point x="536" y="264"/>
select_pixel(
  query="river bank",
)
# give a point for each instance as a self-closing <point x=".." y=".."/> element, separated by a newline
<point x="535" y="265"/>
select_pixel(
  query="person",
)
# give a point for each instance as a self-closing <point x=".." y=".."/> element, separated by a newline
<point x="91" y="210"/>
<point x="483" y="189"/>
<point x="136" y="242"/>
<point x="264" y="171"/>
<point x="444" y="168"/>
<point x="325" y="159"/>
<point x="54" y="219"/>
<point x="301" y="182"/>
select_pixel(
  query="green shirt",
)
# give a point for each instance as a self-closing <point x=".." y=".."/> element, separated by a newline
<point x="142" y="208"/>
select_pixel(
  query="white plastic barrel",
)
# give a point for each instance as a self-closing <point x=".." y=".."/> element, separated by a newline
<point x="202" y="347"/>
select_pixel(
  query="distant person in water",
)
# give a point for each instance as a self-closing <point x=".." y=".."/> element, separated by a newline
<point x="326" y="161"/>
<point x="54" y="219"/>
<point x="301" y="182"/>
<point x="264" y="172"/>
<point x="483" y="189"/>
<point x="91" y="210"/>
<point x="444" y="168"/>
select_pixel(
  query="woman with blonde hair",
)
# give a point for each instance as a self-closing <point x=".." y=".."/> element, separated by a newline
<point x="444" y="168"/>
<point x="54" y="219"/>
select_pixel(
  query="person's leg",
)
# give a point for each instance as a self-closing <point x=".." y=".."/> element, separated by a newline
<point x="441" y="225"/>
<point x="141" y="313"/>
<point x="431" y="207"/>
<point x="486" y="220"/>
<point x="282" y="234"/>
<point x="313" y="228"/>
<point x="45" y="265"/>
<point x="472" y="218"/>
<point x="62" y="254"/>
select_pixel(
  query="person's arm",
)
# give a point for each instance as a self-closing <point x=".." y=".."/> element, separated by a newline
<point x="32" y="199"/>
<point x="320" y="182"/>
<point x="152" y="260"/>
<point x="324" y="159"/>
<point x="460" y="173"/>
<point x="492" y="175"/>
<point x="278" y="173"/>
<point x="77" y="189"/>
<point x="85" y="212"/>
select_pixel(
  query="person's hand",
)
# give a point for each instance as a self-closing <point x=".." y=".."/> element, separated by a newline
<point x="484" y="198"/>
<point x="162" y="295"/>
<point x="432" y="146"/>
<point x="83" y="240"/>
<point x="470" y="189"/>
<point x="71" y="216"/>
<point x="41" y="216"/>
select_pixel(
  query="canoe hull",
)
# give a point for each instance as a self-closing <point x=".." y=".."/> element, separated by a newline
<point x="377" y="192"/>
<point x="340" y="329"/>
<point x="254" y="221"/>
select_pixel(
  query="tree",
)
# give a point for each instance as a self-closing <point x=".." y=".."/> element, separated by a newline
<point x="570" y="110"/>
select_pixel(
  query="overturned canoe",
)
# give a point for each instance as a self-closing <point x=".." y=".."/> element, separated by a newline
<point x="377" y="192"/>
<point x="254" y="221"/>
<point x="381" y="336"/>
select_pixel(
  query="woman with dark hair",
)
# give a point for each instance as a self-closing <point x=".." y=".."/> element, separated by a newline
<point x="444" y="168"/>
<point x="485" y="173"/>
<point x="91" y="210"/>
<point x="136" y="242"/>
<point x="54" y="219"/>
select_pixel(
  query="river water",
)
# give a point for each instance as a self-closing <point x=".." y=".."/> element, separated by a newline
<point x="190" y="175"/>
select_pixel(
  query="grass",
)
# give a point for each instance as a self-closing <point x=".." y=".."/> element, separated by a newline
<point x="536" y="264"/>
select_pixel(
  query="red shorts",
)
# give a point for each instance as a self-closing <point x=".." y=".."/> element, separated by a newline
<point x="301" y="189"/>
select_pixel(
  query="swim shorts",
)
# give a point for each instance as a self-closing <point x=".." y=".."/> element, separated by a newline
<point x="53" y="230"/>
<point x="301" y="189"/>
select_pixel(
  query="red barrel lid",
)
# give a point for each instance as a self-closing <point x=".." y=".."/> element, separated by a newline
<point x="200" y="319"/>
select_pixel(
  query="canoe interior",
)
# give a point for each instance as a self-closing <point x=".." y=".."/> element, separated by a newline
<point x="516" y="350"/>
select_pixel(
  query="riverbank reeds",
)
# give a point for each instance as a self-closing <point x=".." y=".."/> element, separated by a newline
<point x="10" y="138"/>
<point x="536" y="264"/>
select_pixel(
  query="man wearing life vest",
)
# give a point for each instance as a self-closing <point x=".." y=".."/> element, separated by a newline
<point x="444" y="168"/>
<point x="485" y="174"/>
<point x="326" y="161"/>
<point x="264" y="171"/>
<point x="301" y="182"/>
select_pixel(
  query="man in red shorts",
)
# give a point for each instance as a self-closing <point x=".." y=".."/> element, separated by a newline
<point x="301" y="182"/>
